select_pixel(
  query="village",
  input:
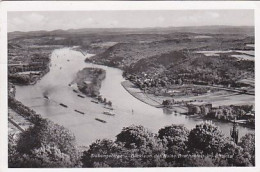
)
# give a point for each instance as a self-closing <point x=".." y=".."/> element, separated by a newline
<point x="194" y="98"/>
<point x="27" y="63"/>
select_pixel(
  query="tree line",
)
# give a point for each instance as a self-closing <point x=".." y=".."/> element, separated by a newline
<point x="50" y="145"/>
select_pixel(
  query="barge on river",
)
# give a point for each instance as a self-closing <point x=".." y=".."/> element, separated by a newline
<point x="110" y="108"/>
<point x="109" y="113"/>
<point x="100" y="120"/>
<point x="63" y="105"/>
<point x="93" y="101"/>
<point x="79" y="111"/>
<point x="80" y="96"/>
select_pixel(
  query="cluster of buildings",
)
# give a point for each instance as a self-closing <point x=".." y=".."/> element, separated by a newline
<point x="26" y="65"/>
<point x="244" y="114"/>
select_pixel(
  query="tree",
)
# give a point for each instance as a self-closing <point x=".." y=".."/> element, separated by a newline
<point x="109" y="103"/>
<point x="248" y="144"/>
<point x="13" y="158"/>
<point x="175" y="137"/>
<point x="206" y="138"/>
<point x="134" y="136"/>
<point x="233" y="155"/>
<point x="195" y="161"/>
<point x="50" y="156"/>
<point x="45" y="156"/>
<point x="103" y="153"/>
<point x="143" y="144"/>
<point x="47" y="135"/>
<point x="100" y="98"/>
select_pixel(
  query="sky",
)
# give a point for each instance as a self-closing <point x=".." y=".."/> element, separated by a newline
<point x="53" y="20"/>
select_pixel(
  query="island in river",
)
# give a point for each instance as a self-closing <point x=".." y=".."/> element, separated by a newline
<point x="89" y="81"/>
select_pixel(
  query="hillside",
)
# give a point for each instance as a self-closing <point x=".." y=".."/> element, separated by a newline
<point x="156" y="50"/>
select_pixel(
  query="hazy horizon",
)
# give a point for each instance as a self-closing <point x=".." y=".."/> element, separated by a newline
<point x="131" y="28"/>
<point x="66" y="20"/>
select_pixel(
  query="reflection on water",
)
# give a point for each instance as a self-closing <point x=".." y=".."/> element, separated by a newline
<point x="65" y="63"/>
<point x="168" y="111"/>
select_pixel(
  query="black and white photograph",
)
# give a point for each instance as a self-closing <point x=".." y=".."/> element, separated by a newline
<point x="131" y="88"/>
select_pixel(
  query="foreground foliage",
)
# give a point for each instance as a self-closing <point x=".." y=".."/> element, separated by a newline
<point x="44" y="145"/>
<point x="50" y="145"/>
<point x="175" y="145"/>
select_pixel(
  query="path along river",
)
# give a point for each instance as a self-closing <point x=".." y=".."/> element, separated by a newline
<point x="65" y="63"/>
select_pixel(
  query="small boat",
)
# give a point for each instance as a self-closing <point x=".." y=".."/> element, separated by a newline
<point x="69" y="84"/>
<point x="93" y="101"/>
<point x="110" y="108"/>
<point x="81" y="96"/>
<point x="63" y="105"/>
<point x="109" y="113"/>
<point x="75" y="91"/>
<point x="46" y="97"/>
<point x="79" y="111"/>
<point x="100" y="120"/>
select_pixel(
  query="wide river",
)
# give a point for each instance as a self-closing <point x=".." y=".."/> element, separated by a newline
<point x="65" y="63"/>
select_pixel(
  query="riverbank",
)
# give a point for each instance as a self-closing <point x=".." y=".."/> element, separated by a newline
<point x="148" y="98"/>
<point x="154" y="101"/>
<point x="28" y="64"/>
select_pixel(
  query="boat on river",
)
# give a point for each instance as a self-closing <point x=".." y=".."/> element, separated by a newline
<point x="100" y="120"/>
<point x="110" y="108"/>
<point x="79" y="111"/>
<point x="63" y="105"/>
<point x="46" y="97"/>
<point x="80" y="96"/>
<point x="109" y="113"/>
<point x="75" y="91"/>
<point x="93" y="101"/>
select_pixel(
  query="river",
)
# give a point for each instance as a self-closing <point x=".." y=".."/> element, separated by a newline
<point x="65" y="63"/>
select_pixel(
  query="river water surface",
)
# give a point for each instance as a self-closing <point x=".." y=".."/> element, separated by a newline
<point x="65" y="63"/>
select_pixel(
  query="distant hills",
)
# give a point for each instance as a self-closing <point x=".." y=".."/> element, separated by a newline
<point x="248" y="30"/>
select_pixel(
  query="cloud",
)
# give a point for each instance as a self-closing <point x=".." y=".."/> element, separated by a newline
<point x="35" y="18"/>
<point x="26" y="21"/>
<point x="17" y="21"/>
